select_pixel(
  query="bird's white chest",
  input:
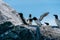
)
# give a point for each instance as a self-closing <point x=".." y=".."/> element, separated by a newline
<point x="57" y="22"/>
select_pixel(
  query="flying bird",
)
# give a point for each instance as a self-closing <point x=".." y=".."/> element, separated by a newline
<point x="38" y="21"/>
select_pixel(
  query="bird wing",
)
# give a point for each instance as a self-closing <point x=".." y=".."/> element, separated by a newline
<point x="43" y="15"/>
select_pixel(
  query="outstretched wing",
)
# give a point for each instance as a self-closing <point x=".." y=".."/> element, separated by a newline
<point x="43" y="15"/>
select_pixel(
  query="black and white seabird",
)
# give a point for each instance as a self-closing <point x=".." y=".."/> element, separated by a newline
<point x="57" y="20"/>
<point x="30" y="19"/>
<point x="37" y="21"/>
<point x="22" y="18"/>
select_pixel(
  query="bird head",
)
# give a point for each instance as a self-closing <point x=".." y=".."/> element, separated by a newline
<point x="30" y="15"/>
<point x="56" y="16"/>
<point x="46" y="23"/>
<point x="20" y="14"/>
<point x="34" y="18"/>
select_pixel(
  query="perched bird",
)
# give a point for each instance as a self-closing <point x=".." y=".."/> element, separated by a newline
<point x="37" y="21"/>
<point x="43" y="15"/>
<point x="22" y="18"/>
<point x="29" y="20"/>
<point x="57" y="20"/>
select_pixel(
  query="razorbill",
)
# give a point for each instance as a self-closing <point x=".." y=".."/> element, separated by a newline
<point x="22" y="18"/>
<point x="37" y="21"/>
<point x="29" y="20"/>
<point x="43" y="15"/>
<point x="57" y="20"/>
